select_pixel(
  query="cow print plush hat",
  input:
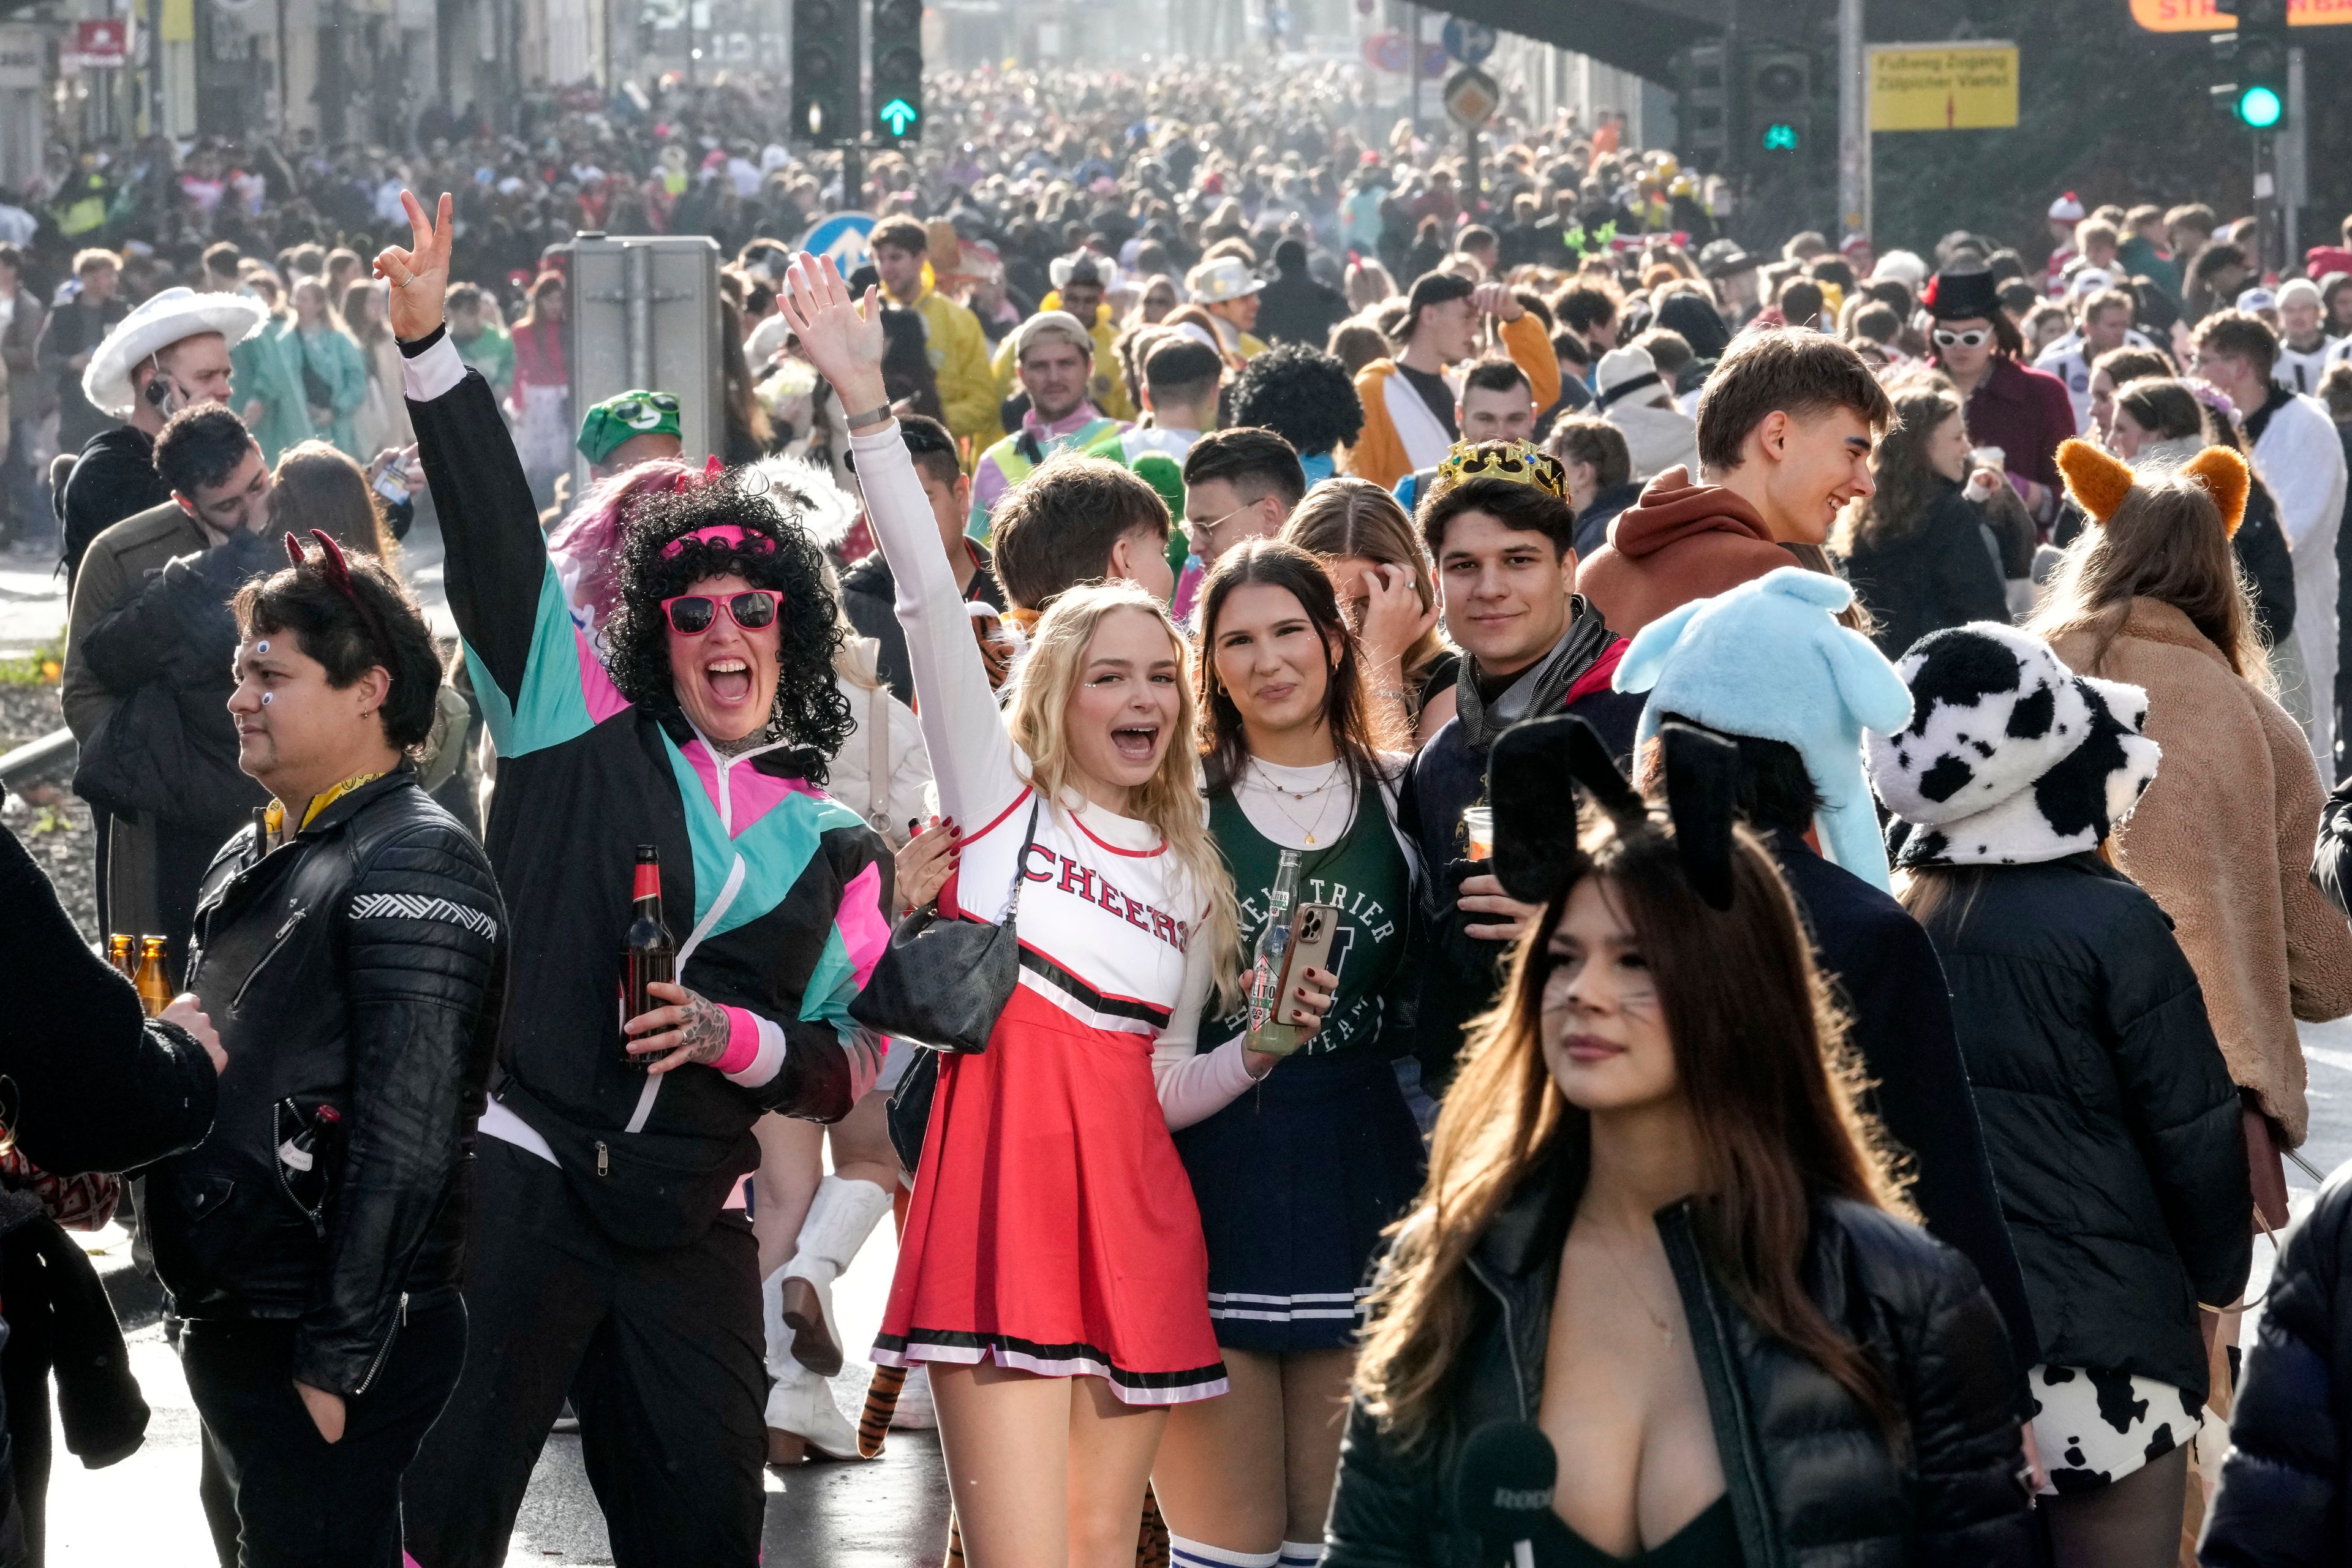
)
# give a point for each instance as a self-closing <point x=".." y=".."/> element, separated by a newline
<point x="2009" y="757"/>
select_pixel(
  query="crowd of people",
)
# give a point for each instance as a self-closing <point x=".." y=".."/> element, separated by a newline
<point x="1797" y="786"/>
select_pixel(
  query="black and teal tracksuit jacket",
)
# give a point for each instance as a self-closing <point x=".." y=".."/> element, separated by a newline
<point x="776" y="893"/>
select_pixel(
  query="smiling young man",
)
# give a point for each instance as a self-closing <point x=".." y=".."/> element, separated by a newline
<point x="1498" y="525"/>
<point x="1785" y="431"/>
<point x="350" y="945"/>
<point x="1054" y="357"/>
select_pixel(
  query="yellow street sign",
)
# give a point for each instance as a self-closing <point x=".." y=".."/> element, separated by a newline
<point x="2204" y="17"/>
<point x="1943" y="87"/>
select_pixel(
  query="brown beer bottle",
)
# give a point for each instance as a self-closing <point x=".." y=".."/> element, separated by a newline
<point x="117" y="953"/>
<point x="154" y="990"/>
<point x="649" y="955"/>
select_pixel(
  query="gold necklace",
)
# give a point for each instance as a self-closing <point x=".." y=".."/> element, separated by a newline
<point x="1279" y="791"/>
<point x="1665" y="1329"/>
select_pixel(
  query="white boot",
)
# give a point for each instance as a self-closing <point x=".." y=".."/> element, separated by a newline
<point x="840" y="1218"/>
<point x="915" y="1412"/>
<point x="802" y="1416"/>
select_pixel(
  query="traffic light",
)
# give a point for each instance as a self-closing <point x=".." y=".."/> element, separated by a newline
<point x="824" y="72"/>
<point x="1780" y="102"/>
<point x="896" y="52"/>
<point x="1699" y="106"/>
<point x="2253" y="60"/>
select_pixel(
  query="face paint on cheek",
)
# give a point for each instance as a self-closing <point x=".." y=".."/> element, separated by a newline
<point x="262" y="646"/>
<point x="266" y="697"/>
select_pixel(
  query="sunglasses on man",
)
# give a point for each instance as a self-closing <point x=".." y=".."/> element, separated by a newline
<point x="691" y="615"/>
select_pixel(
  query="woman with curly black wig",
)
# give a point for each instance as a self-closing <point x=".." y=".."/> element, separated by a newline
<point x="602" y="1262"/>
<point x="1304" y="396"/>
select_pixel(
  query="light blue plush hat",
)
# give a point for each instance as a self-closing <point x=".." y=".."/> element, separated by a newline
<point x="1769" y="660"/>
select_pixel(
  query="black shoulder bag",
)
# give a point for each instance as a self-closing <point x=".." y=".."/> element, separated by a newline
<point x="941" y="983"/>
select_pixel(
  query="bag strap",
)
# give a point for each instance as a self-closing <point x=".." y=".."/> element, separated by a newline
<point x="1020" y="861"/>
<point x="878" y="760"/>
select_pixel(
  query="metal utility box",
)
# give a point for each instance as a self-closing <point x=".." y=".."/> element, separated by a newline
<point x="644" y="313"/>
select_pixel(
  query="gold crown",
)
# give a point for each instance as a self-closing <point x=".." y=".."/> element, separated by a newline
<point x="1518" y="462"/>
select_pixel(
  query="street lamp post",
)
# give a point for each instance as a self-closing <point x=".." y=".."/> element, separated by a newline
<point x="1853" y="120"/>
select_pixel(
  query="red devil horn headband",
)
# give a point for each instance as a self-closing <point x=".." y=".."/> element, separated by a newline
<point x="338" y="572"/>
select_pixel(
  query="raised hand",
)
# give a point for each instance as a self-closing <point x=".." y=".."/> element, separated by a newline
<point x="1393" y="619"/>
<point x="841" y="335"/>
<point x="419" y="275"/>
<point x="1497" y="300"/>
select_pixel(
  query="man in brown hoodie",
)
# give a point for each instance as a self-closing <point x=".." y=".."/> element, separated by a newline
<point x="1785" y="430"/>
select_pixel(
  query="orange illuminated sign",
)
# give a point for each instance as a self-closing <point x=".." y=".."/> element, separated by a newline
<point x="2200" y="17"/>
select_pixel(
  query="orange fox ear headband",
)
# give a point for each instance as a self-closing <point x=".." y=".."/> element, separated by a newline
<point x="2099" y="481"/>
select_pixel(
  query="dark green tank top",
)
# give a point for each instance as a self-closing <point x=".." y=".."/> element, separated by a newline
<point x="1363" y="873"/>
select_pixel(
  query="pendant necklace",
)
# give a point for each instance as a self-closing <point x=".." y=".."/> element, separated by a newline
<point x="1666" y="1330"/>
<point x="1279" y="790"/>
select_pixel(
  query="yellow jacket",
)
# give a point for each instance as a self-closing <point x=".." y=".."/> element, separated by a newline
<point x="1107" y="388"/>
<point x="959" y="353"/>
<point x="1379" y="453"/>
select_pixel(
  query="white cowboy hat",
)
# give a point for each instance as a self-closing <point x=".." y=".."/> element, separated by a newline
<point x="1226" y="278"/>
<point x="156" y="325"/>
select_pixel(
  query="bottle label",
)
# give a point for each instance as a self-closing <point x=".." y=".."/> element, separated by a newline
<point x="646" y="883"/>
<point x="295" y="1158"/>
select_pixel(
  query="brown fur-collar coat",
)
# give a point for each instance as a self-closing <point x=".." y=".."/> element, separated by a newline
<point x="2223" y="840"/>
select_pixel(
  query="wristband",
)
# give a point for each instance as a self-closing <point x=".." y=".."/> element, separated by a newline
<point x="879" y="415"/>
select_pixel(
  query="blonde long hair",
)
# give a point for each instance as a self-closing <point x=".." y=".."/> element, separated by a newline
<point x="1038" y="698"/>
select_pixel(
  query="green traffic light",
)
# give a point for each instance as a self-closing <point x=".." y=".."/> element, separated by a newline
<point x="897" y="115"/>
<point x="1780" y="137"/>
<point x="2261" y="107"/>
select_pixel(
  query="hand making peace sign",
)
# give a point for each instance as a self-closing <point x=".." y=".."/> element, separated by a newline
<point x="419" y="276"/>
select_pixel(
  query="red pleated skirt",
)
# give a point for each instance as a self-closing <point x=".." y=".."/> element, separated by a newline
<point x="1052" y="1225"/>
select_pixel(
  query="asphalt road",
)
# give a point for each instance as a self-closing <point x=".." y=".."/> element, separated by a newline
<point x="890" y="1512"/>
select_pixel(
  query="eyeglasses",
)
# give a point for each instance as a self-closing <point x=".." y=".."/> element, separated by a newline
<point x="1974" y="338"/>
<point x="1202" y="530"/>
<point x="691" y="615"/>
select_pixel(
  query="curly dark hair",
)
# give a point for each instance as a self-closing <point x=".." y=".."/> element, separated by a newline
<point x="1302" y="392"/>
<point x="809" y="711"/>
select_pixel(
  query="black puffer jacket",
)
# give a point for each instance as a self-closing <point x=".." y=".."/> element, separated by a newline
<point x="2288" y="1476"/>
<point x="1812" y="1482"/>
<point x="1937" y="574"/>
<point x="2107" y="1110"/>
<point x="357" y="966"/>
<point x="171" y="748"/>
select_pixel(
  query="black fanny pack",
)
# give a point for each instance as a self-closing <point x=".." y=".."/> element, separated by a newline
<point x="647" y="1190"/>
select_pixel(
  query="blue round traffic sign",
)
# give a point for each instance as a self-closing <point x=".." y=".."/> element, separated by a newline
<point x="1469" y="42"/>
<point x="840" y="237"/>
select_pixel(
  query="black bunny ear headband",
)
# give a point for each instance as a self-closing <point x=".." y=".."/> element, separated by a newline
<point x="1535" y="847"/>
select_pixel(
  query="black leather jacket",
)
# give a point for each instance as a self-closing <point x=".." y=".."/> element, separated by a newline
<point x="2282" y="1502"/>
<point x="1811" y="1480"/>
<point x="357" y="966"/>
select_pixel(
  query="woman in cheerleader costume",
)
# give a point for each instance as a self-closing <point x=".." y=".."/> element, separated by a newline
<point x="1053" y="1276"/>
<point x="1296" y="1179"/>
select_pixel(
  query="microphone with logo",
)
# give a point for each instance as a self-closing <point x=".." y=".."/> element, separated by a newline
<point x="1503" y="1491"/>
